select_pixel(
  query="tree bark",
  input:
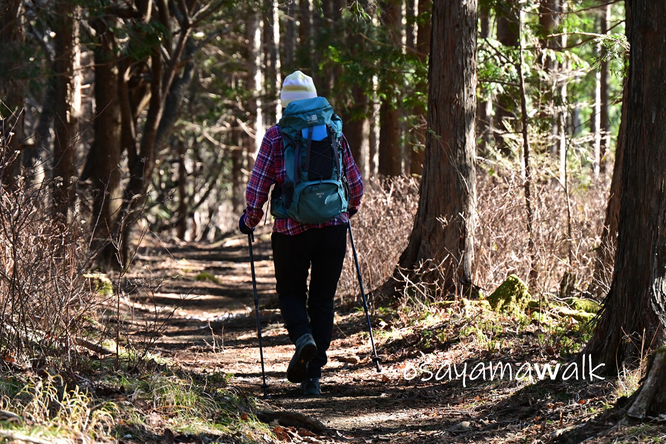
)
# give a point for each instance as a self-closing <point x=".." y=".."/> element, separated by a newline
<point x="508" y="34"/>
<point x="444" y="225"/>
<point x="12" y="93"/>
<point x="484" y="110"/>
<point x="304" y="32"/>
<point x="634" y="312"/>
<point x="390" y="156"/>
<point x="357" y="129"/>
<point x="422" y="49"/>
<point x="68" y="107"/>
<point x="103" y="160"/>
<point x="650" y="399"/>
<point x="289" y="41"/>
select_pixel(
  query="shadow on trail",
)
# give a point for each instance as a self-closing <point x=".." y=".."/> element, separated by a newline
<point x="216" y="332"/>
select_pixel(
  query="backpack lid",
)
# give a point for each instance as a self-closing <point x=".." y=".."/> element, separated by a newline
<point x="305" y="113"/>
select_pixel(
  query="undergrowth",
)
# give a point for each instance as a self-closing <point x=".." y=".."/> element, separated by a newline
<point x="70" y="371"/>
<point x="108" y="405"/>
<point x="567" y="227"/>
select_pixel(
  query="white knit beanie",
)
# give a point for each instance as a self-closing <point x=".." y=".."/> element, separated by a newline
<point x="297" y="86"/>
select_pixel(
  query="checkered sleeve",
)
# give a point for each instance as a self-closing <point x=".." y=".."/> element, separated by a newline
<point x="261" y="179"/>
<point x="353" y="174"/>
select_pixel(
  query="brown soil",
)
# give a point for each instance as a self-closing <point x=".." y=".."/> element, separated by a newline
<point x="209" y="326"/>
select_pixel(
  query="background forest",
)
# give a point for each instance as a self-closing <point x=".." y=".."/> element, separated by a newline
<point x="126" y="121"/>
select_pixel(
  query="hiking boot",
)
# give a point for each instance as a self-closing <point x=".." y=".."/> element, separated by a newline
<point x="306" y="349"/>
<point x="311" y="387"/>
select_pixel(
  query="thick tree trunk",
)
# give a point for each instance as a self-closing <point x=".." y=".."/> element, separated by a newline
<point x="390" y="155"/>
<point x="634" y="313"/>
<point x="68" y="107"/>
<point x="103" y="160"/>
<point x="12" y="93"/>
<point x="444" y="225"/>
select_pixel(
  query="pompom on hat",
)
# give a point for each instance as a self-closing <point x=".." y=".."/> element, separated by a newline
<point x="297" y="86"/>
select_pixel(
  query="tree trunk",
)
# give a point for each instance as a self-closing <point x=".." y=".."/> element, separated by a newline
<point x="68" y="107"/>
<point x="390" y="156"/>
<point x="634" y="312"/>
<point x="289" y="42"/>
<point x="650" y="399"/>
<point x="550" y="16"/>
<point x="254" y="82"/>
<point x="357" y="130"/>
<point x="444" y="225"/>
<point x="422" y="50"/>
<point x="103" y="160"/>
<point x="484" y="110"/>
<point x="304" y="33"/>
<point x="12" y="93"/>
<point x="508" y="34"/>
<point x="272" y="74"/>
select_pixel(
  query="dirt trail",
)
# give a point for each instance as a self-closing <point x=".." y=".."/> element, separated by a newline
<point x="211" y="326"/>
<point x="205" y="294"/>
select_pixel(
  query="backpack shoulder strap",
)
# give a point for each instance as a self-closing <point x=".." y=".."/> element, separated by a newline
<point x="335" y="140"/>
<point x="288" y="141"/>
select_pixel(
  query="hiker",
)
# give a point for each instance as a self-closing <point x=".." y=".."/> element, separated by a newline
<point x="298" y="247"/>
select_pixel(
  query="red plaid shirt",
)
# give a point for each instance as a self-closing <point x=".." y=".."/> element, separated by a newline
<point x="269" y="169"/>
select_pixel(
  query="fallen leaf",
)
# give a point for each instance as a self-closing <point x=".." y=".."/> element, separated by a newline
<point x="281" y="433"/>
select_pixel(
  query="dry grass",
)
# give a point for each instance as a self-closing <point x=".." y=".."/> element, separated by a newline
<point x="383" y="226"/>
<point x="501" y="239"/>
<point x="381" y="231"/>
<point x="44" y="296"/>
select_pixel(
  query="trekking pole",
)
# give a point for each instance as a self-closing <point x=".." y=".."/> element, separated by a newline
<point x="375" y="358"/>
<point x="264" y="386"/>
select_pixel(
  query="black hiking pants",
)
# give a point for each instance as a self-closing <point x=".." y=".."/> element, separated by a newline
<point x="309" y="311"/>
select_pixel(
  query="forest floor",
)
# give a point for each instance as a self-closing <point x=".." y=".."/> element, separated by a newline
<point x="207" y="325"/>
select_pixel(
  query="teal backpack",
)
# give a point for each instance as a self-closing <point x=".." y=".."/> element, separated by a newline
<point x="315" y="188"/>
